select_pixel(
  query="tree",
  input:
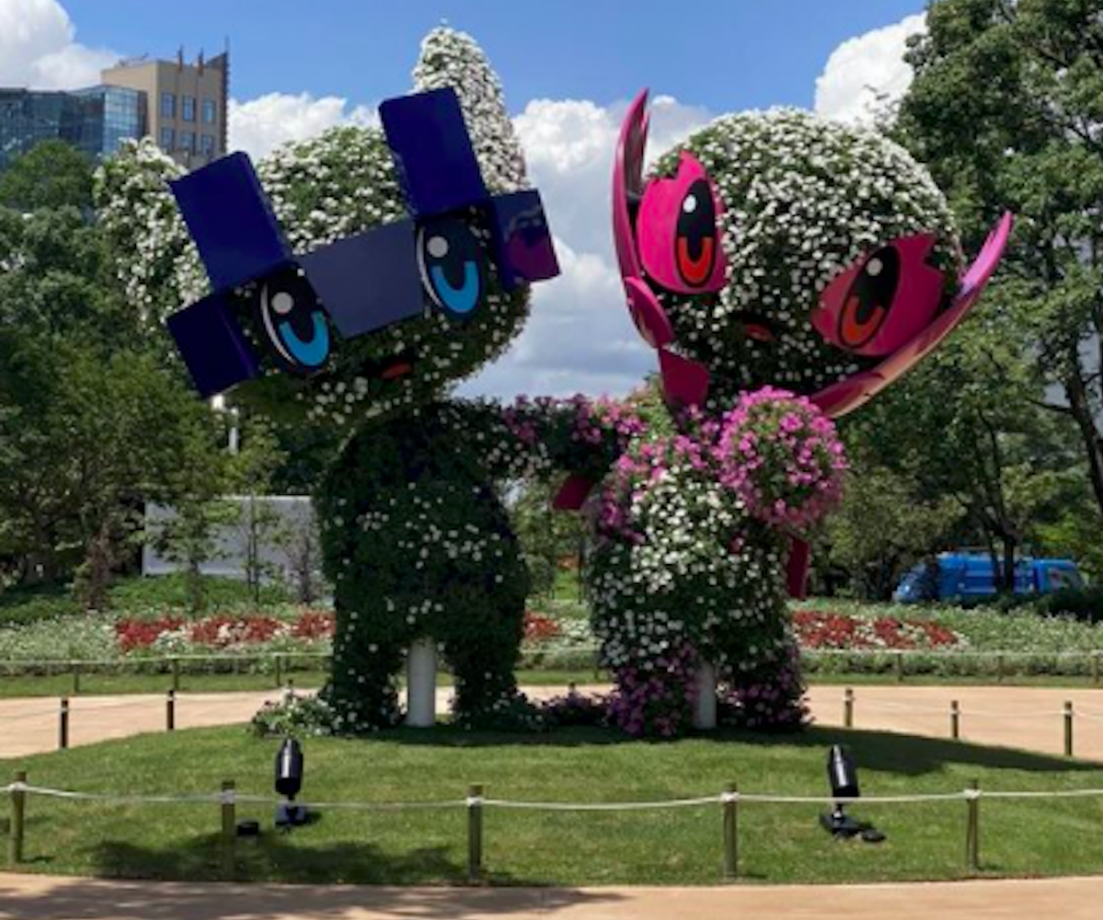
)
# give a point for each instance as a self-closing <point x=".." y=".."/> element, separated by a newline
<point x="547" y="536"/>
<point x="884" y="526"/>
<point x="52" y="175"/>
<point x="1007" y="110"/>
<point x="92" y="425"/>
<point x="967" y="426"/>
<point x="259" y="524"/>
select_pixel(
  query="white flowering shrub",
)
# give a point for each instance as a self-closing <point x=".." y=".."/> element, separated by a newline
<point x="692" y="527"/>
<point x="804" y="199"/>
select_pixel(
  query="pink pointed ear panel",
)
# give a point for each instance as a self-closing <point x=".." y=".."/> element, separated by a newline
<point x="858" y="314"/>
<point x="672" y="235"/>
<point x="679" y="242"/>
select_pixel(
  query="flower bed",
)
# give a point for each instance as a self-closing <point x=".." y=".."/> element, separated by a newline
<point x="224" y="632"/>
<point x="557" y="642"/>
<point x="820" y="629"/>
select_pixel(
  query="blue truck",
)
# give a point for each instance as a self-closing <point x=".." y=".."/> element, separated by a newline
<point x="964" y="576"/>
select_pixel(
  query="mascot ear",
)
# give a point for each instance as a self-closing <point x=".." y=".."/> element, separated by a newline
<point x="151" y="249"/>
<point x="451" y="58"/>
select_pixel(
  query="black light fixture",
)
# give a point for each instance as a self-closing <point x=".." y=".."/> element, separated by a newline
<point x="842" y="774"/>
<point x="289" y="781"/>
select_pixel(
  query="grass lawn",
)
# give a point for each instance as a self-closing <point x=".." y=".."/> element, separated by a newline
<point x="777" y="843"/>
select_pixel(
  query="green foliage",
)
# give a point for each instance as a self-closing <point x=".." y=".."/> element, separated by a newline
<point x="418" y="545"/>
<point x="172" y="591"/>
<point x="52" y="175"/>
<point x="1084" y="604"/>
<point x="1005" y="109"/>
<point x="547" y="536"/>
<point x="883" y="527"/>
<point x="21" y="606"/>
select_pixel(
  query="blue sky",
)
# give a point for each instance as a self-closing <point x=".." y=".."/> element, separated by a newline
<point x="723" y="55"/>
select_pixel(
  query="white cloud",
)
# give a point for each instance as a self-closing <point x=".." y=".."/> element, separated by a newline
<point x="259" y="125"/>
<point x="580" y="337"/>
<point x="38" y="48"/>
<point x="866" y="73"/>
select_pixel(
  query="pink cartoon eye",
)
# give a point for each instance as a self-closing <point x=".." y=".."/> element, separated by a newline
<point x="676" y="231"/>
<point x="883" y="300"/>
<point x="695" y="239"/>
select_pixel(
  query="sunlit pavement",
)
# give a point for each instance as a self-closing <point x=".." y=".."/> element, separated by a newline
<point x="29" y="897"/>
<point x="1031" y="718"/>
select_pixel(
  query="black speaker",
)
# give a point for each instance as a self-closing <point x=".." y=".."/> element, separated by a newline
<point x="289" y="769"/>
<point x="842" y="774"/>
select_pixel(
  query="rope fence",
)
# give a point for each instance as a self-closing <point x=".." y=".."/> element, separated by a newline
<point x="20" y="792"/>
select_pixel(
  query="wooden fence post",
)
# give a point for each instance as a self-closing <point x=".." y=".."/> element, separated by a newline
<point x="76" y="679"/>
<point x="18" y="806"/>
<point x="1068" y="728"/>
<point x="1095" y="668"/>
<point x="900" y="667"/>
<point x="474" y="833"/>
<point x="848" y="707"/>
<point x="972" y="829"/>
<point x="731" y="833"/>
<point x="63" y="724"/>
<point x="170" y="711"/>
<point x="229" y="830"/>
<point x="955" y="720"/>
<point x="175" y="673"/>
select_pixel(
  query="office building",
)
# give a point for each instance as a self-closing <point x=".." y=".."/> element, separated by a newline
<point x="182" y="106"/>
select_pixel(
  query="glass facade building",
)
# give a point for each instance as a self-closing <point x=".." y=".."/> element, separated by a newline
<point x="182" y="106"/>
<point x="95" y="120"/>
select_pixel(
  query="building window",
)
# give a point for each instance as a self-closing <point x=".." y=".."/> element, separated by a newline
<point x="187" y="141"/>
<point x="209" y="111"/>
<point x="206" y="145"/>
<point x="188" y="109"/>
<point x="168" y="139"/>
<point x="168" y="105"/>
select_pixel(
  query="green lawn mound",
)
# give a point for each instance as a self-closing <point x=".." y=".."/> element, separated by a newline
<point x="777" y="843"/>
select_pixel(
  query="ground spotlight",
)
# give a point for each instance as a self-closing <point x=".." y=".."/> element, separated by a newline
<point x="289" y="781"/>
<point x="842" y="774"/>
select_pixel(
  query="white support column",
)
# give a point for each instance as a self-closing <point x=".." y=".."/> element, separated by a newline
<point x="704" y="716"/>
<point x="421" y="684"/>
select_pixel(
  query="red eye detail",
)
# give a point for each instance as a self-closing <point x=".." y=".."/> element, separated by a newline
<point x="883" y="300"/>
<point x="855" y="329"/>
<point x="695" y="271"/>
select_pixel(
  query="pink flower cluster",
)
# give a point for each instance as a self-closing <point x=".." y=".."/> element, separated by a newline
<point x="782" y="455"/>
<point x="656" y="701"/>
<point x="776" y="701"/>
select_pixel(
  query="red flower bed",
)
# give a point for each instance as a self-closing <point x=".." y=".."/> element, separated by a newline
<point x="313" y="624"/>
<point x="819" y="629"/>
<point x="133" y="634"/>
<point x="539" y="627"/>
<point x="224" y="630"/>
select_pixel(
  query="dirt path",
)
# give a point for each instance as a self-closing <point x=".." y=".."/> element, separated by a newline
<point x="1025" y="717"/>
<point x="28" y="897"/>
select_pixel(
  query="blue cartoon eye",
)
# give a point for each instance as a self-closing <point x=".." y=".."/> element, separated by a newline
<point x="292" y="322"/>
<point x="452" y="265"/>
